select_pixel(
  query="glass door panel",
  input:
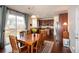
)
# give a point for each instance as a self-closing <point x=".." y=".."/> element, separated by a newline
<point x="15" y="22"/>
<point x="20" y="23"/>
<point x="10" y="28"/>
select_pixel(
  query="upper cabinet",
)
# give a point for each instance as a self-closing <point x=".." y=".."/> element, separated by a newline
<point x="48" y="22"/>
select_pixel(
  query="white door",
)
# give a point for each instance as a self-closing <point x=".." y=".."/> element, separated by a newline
<point x="77" y="30"/>
<point x="77" y="45"/>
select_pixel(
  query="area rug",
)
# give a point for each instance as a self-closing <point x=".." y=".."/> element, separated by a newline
<point x="48" y="45"/>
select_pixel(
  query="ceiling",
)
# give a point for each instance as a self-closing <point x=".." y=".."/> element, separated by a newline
<point x="42" y="11"/>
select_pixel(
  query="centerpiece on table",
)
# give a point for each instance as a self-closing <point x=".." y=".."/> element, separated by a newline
<point x="34" y="30"/>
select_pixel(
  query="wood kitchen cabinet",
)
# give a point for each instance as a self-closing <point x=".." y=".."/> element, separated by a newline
<point x="46" y="22"/>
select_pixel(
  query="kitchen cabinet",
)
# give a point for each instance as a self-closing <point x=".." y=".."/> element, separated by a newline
<point x="46" y="22"/>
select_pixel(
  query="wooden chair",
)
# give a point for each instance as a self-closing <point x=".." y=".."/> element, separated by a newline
<point x="22" y="34"/>
<point x="39" y="43"/>
<point x="29" y="31"/>
<point x="14" y="45"/>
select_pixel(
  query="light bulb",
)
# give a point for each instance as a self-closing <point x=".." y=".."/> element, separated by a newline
<point x="64" y="23"/>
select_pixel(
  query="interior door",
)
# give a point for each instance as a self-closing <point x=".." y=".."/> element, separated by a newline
<point x="77" y="32"/>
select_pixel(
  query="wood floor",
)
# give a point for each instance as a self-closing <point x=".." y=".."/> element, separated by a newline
<point x="57" y="47"/>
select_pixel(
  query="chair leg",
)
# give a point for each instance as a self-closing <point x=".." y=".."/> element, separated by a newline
<point x="28" y="49"/>
<point x="36" y="50"/>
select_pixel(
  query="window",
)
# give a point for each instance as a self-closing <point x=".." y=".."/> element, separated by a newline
<point x="10" y="27"/>
<point x="11" y="22"/>
<point x="20" y="23"/>
<point x="14" y="24"/>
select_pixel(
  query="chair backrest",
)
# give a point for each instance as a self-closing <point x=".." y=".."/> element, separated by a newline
<point x="14" y="45"/>
<point x="43" y="34"/>
<point x="40" y="41"/>
<point x="22" y="33"/>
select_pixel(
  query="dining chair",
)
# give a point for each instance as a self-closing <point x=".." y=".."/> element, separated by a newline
<point x="15" y="47"/>
<point x="42" y="38"/>
<point x="38" y="45"/>
<point x="22" y="34"/>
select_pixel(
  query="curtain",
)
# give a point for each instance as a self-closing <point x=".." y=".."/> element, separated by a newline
<point x="26" y="20"/>
<point x="2" y="25"/>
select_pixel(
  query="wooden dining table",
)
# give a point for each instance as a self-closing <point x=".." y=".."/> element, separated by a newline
<point x="29" y="40"/>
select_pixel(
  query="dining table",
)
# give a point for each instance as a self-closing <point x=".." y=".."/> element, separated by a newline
<point x="29" y="40"/>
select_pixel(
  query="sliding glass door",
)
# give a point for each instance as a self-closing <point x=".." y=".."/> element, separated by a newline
<point x="10" y="28"/>
<point x="20" y="24"/>
<point x="15" y="22"/>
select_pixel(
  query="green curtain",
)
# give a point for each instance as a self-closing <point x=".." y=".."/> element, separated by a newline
<point x="2" y="25"/>
<point x="26" y="20"/>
